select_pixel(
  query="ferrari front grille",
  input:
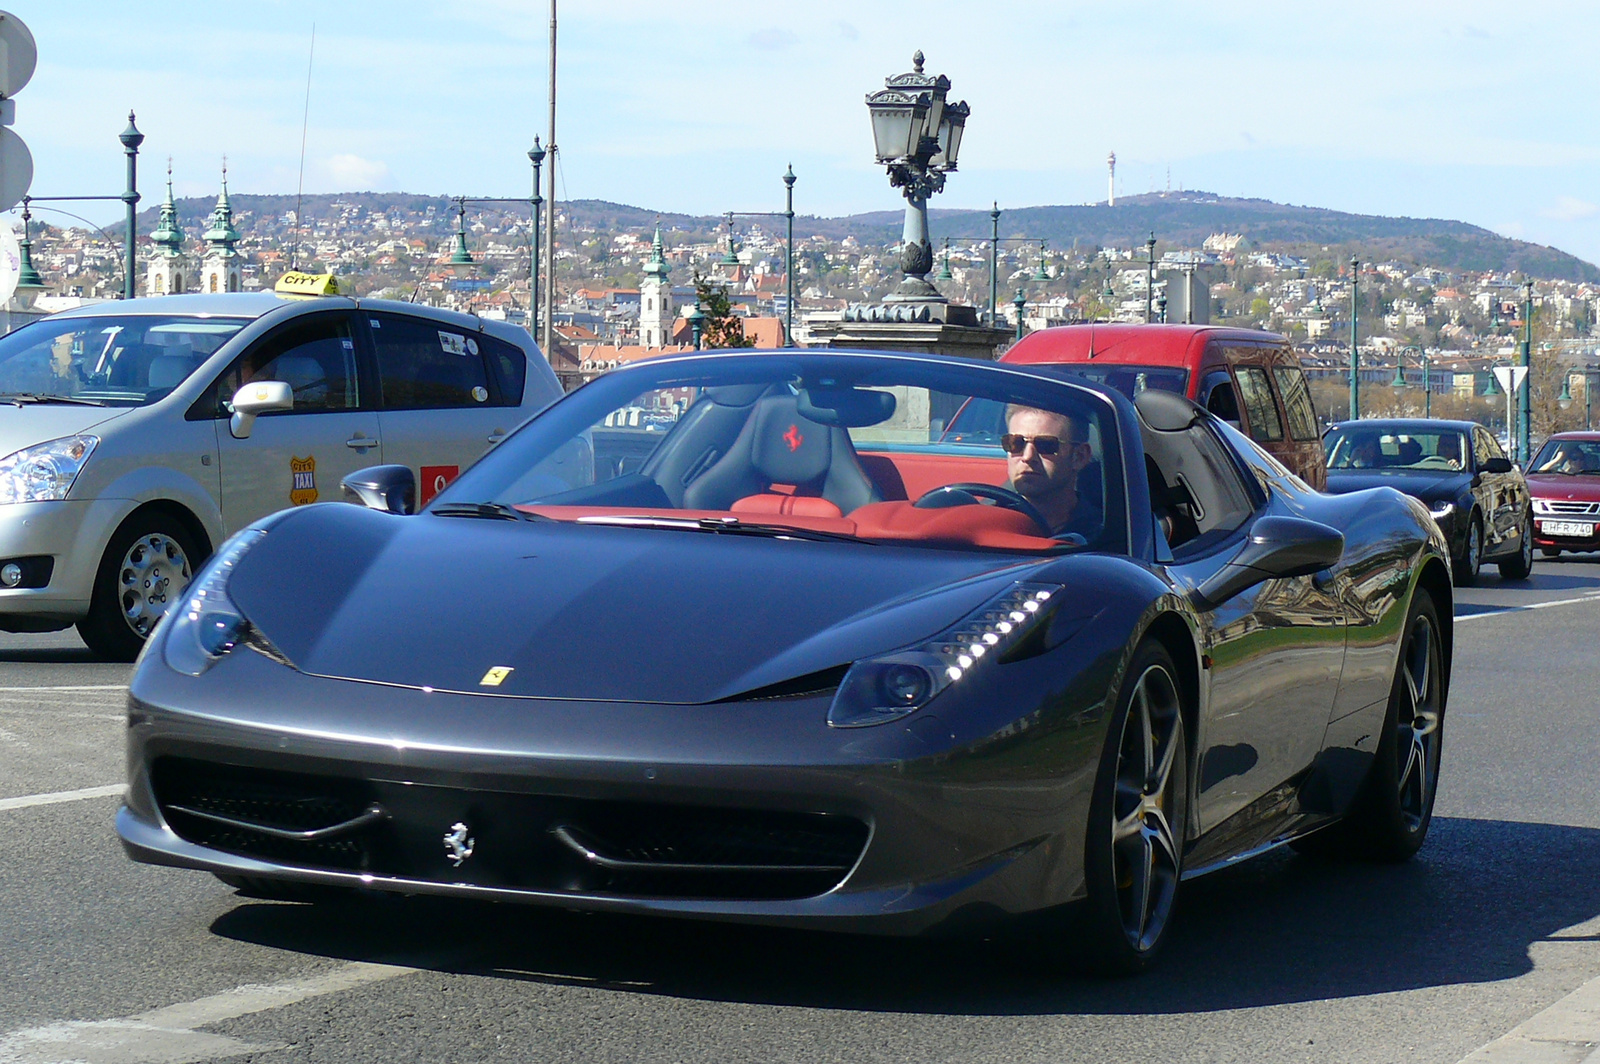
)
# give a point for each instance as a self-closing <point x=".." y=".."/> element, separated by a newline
<point x="495" y="838"/>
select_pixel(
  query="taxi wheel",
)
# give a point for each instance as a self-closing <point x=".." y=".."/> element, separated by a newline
<point x="146" y="566"/>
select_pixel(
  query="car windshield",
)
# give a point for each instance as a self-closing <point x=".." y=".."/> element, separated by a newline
<point x="1360" y="447"/>
<point x="1576" y="458"/>
<point x="110" y="359"/>
<point x="803" y="446"/>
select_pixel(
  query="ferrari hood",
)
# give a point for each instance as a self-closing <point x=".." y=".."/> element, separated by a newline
<point x="551" y="610"/>
<point x="1421" y="484"/>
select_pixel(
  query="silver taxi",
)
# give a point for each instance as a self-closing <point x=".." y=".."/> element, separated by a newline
<point x="135" y="436"/>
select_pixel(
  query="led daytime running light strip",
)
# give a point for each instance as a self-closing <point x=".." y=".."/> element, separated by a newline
<point x="992" y="629"/>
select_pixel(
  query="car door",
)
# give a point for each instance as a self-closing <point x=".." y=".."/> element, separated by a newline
<point x="298" y="456"/>
<point x="1497" y="493"/>
<point x="442" y="408"/>
<point x="1276" y="650"/>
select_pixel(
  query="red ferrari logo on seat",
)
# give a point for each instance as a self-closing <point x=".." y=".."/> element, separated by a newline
<point x="793" y="438"/>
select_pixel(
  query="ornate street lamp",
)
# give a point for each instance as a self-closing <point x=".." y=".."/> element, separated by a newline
<point x="29" y="283"/>
<point x="536" y="156"/>
<point x="697" y="322"/>
<point x="1041" y="274"/>
<point x="917" y="135"/>
<point x="1020" y="303"/>
<point x="461" y="259"/>
<point x="1150" y="278"/>
<point x="944" y="271"/>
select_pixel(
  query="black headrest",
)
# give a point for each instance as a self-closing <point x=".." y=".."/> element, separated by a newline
<point x="848" y="408"/>
<point x="1166" y="411"/>
<point x="789" y="448"/>
<point x="736" y="395"/>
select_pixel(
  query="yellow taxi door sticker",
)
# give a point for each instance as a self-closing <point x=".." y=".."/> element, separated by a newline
<point x="303" y="487"/>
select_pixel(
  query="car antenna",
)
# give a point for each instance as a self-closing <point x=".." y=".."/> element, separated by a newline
<point x="1091" y="339"/>
<point x="305" y="124"/>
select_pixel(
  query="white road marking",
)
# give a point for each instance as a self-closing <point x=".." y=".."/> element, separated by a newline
<point x="1567" y="1032"/>
<point x="167" y="1035"/>
<point x="54" y="797"/>
<point x="72" y="687"/>
<point x="1592" y="597"/>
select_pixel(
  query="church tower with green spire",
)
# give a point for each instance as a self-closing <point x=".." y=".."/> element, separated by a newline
<point x="655" y="299"/>
<point x="221" y="266"/>
<point x="169" y="266"/>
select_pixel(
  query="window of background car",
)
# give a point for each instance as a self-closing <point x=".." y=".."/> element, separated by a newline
<point x="1261" y="411"/>
<point x="1129" y="380"/>
<point x="810" y="439"/>
<point x="1488" y="446"/>
<point x="510" y="368"/>
<point x="1217" y="395"/>
<point x="316" y="357"/>
<point x="1357" y="447"/>
<point x="1297" y="402"/>
<point x="1569" y="457"/>
<point x="124" y="360"/>
<point x="426" y="365"/>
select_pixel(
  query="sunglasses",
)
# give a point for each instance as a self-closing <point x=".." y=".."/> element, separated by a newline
<point x="1015" y="443"/>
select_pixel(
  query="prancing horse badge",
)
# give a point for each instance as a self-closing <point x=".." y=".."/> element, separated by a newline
<point x="458" y="844"/>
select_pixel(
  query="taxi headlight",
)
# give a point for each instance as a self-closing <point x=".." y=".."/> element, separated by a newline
<point x="208" y="624"/>
<point x="45" y="471"/>
<point x="885" y="688"/>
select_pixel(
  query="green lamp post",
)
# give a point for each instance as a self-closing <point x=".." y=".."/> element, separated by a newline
<point x="729" y="258"/>
<point x="1041" y="274"/>
<point x="697" y="323"/>
<point x="461" y="259"/>
<point x="1524" y="401"/>
<point x="1020" y="302"/>
<point x="131" y="139"/>
<point x="29" y="283"/>
<point x="536" y="156"/>
<point x="1150" y="279"/>
<point x="1355" y="351"/>
<point x="944" y="271"/>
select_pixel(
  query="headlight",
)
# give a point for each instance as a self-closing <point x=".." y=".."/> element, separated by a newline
<point x="877" y="690"/>
<point x="209" y="625"/>
<point x="1540" y="506"/>
<point x="1441" y="510"/>
<point x="45" y="472"/>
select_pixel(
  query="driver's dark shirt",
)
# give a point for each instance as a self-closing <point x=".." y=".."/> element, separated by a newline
<point x="1086" y="521"/>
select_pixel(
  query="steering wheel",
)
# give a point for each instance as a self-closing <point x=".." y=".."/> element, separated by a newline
<point x="966" y="494"/>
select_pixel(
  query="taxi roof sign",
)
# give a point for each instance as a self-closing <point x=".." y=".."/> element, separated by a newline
<point x="304" y="285"/>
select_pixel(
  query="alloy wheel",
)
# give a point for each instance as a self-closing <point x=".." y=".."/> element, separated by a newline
<point x="1474" y="549"/>
<point x="1417" y="723"/>
<point x="1145" y="851"/>
<point x="153" y="574"/>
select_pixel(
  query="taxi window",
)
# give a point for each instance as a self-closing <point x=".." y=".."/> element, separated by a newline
<point x="1259" y="409"/>
<point x="429" y="365"/>
<point x="510" y="368"/>
<point x="316" y="358"/>
<point x="1297" y="401"/>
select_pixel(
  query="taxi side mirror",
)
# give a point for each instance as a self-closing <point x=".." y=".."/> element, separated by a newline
<point x="390" y="489"/>
<point x="255" y="399"/>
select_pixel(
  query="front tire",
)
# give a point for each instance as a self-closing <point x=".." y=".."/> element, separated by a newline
<point x="1134" y="850"/>
<point x="1519" y="565"/>
<point x="1389" y="819"/>
<point x="1471" y="560"/>
<point x="145" y="568"/>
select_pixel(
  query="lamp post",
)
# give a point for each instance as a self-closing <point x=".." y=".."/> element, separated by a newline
<point x="917" y="135"/>
<point x="1524" y="402"/>
<point x="1399" y="381"/>
<point x="461" y="259"/>
<point x="131" y="139"/>
<point x="1150" y="279"/>
<point x="29" y="283"/>
<point x="729" y="258"/>
<point x="697" y="321"/>
<point x="1020" y="303"/>
<point x="994" y="263"/>
<point x="788" y="257"/>
<point x="536" y="156"/>
<point x="1041" y="274"/>
<point x="1355" y="352"/>
<point x="944" y="271"/>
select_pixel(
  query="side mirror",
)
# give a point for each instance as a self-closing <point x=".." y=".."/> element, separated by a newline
<point x="255" y="399"/>
<point x="1496" y="465"/>
<point x="1276" y="547"/>
<point x="391" y="489"/>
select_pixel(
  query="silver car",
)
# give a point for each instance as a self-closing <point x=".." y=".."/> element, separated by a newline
<point x="136" y="436"/>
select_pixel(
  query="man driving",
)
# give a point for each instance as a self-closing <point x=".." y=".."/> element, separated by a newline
<point x="1045" y="452"/>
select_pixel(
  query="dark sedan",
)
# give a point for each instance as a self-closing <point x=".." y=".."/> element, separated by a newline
<point x="1457" y="469"/>
<point x="803" y="661"/>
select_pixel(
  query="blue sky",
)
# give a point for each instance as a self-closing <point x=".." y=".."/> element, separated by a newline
<point x="1466" y="109"/>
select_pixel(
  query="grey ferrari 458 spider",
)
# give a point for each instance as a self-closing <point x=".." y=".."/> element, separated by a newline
<point x="842" y="640"/>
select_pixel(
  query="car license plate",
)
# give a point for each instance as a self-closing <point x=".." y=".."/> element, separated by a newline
<point x="1568" y="528"/>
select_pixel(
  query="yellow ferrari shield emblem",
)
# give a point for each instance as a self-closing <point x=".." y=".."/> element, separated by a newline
<point x="303" y="488"/>
<point x="496" y="676"/>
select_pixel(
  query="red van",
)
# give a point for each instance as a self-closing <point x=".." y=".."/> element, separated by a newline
<point x="1252" y="379"/>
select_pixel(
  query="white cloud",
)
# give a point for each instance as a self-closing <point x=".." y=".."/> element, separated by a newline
<point x="354" y="173"/>
<point x="1570" y="209"/>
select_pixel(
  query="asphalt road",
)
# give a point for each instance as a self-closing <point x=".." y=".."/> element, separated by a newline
<point x="1281" y="959"/>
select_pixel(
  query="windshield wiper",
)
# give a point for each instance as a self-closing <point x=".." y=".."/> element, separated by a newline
<point x="45" y="397"/>
<point x="492" y="511"/>
<point x="721" y="526"/>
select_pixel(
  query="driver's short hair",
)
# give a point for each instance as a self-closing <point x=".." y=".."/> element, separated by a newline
<point x="1077" y="429"/>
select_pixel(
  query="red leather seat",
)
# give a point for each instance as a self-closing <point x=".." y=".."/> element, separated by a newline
<point x="800" y="505"/>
